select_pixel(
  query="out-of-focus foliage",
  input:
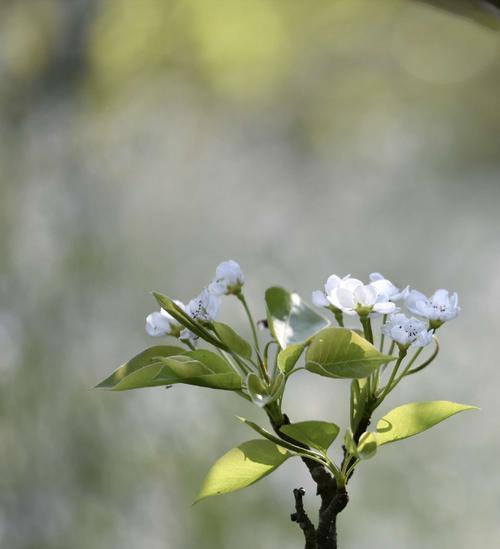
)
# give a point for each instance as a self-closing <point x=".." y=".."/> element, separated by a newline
<point x="143" y="141"/>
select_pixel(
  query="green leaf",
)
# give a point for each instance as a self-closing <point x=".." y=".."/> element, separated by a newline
<point x="232" y="340"/>
<point x="367" y="446"/>
<point x="341" y="353"/>
<point x="290" y="319"/>
<point x="143" y="367"/>
<point x="316" y="434"/>
<point x="183" y="318"/>
<point x="201" y="368"/>
<point x="414" y="418"/>
<point x="273" y="438"/>
<point x="287" y="358"/>
<point x="242" y="466"/>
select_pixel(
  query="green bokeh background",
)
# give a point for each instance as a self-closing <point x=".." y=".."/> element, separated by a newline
<point x="143" y="141"/>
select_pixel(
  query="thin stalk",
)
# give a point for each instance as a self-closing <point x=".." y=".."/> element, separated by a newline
<point x="367" y="327"/>
<point x="408" y="366"/>
<point x="388" y="387"/>
<point x="427" y="362"/>
<point x="351" y="468"/>
<point x="241" y="297"/>
<point x="382" y="337"/>
<point x="338" y="314"/>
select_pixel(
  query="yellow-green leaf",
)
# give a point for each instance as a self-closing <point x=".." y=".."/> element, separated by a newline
<point x="242" y="466"/>
<point x="414" y="418"/>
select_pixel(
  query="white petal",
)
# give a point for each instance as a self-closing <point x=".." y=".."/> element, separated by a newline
<point x="385" y="307"/>
<point x="400" y="335"/>
<point x="157" y="324"/>
<point x="332" y="283"/>
<point x="218" y="287"/>
<point x="342" y="298"/>
<point x="412" y="299"/>
<point x="385" y="287"/>
<point x="376" y="276"/>
<point x="403" y="294"/>
<point x="441" y="297"/>
<point x="319" y="299"/>
<point x="230" y="271"/>
<point x="423" y="338"/>
<point x="366" y="295"/>
<point x="351" y="283"/>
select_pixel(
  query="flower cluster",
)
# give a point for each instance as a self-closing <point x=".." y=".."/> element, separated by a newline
<point x="229" y="279"/>
<point x="351" y="296"/>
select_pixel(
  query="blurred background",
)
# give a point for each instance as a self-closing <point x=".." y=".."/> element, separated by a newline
<point x="142" y="142"/>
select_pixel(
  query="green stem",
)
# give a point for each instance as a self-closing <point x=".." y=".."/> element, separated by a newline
<point x="338" y="314"/>
<point x="409" y="365"/>
<point x="241" y="297"/>
<point x="427" y="362"/>
<point x="382" y="337"/>
<point x="367" y="327"/>
<point x="388" y="387"/>
<point x="190" y="345"/>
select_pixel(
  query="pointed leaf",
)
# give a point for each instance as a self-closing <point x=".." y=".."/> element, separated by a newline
<point x="232" y="340"/>
<point x="414" y="418"/>
<point x="341" y="353"/>
<point x="243" y="466"/>
<point x="316" y="434"/>
<point x="287" y="358"/>
<point x="201" y="368"/>
<point x="290" y="319"/>
<point x="146" y="358"/>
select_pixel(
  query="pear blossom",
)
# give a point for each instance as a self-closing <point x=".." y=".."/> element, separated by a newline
<point x="407" y="331"/>
<point x="229" y="279"/>
<point x="160" y="323"/>
<point x="386" y="287"/>
<point x="319" y="298"/>
<point x="438" y="308"/>
<point x="204" y="307"/>
<point x="352" y="297"/>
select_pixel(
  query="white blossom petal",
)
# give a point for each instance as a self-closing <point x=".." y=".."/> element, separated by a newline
<point x="385" y="307"/>
<point x="319" y="299"/>
<point x="157" y="324"/>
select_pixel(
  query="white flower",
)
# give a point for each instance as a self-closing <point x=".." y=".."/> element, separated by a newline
<point x="407" y="331"/>
<point x="438" y="309"/>
<point x="162" y="323"/>
<point x="203" y="307"/>
<point x="387" y="288"/>
<point x="353" y="297"/>
<point x="319" y="298"/>
<point x="229" y="278"/>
